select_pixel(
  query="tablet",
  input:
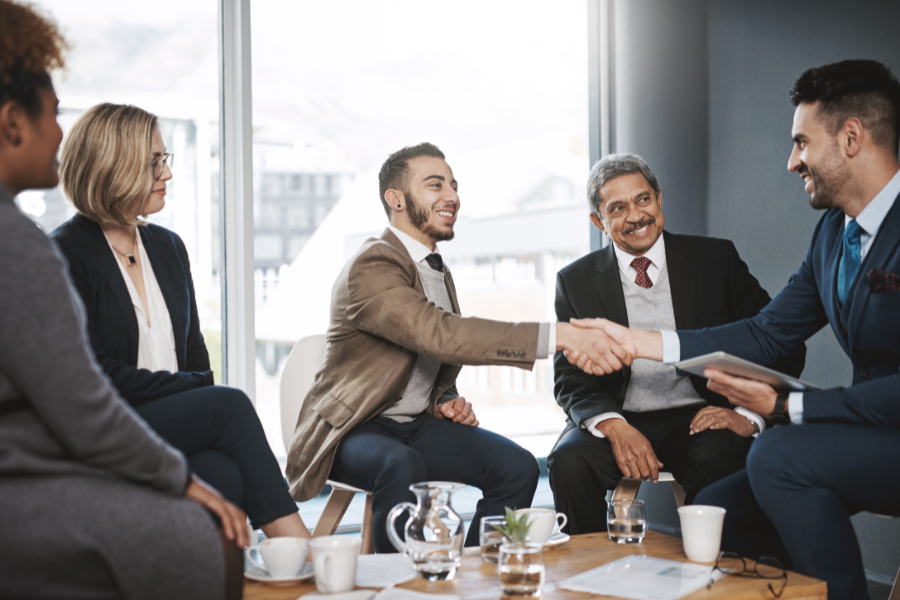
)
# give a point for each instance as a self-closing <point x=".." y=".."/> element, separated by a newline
<point x="732" y="365"/>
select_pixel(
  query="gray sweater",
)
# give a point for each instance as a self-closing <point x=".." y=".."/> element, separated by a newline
<point x="58" y="412"/>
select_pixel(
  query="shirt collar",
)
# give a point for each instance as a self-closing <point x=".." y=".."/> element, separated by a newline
<point x="417" y="250"/>
<point x="656" y="254"/>
<point x="872" y="216"/>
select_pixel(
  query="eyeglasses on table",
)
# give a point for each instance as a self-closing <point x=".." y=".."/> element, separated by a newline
<point x="765" y="567"/>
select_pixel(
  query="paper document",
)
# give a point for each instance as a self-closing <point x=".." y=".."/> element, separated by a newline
<point x="641" y="578"/>
<point x="389" y="594"/>
<point x="384" y="570"/>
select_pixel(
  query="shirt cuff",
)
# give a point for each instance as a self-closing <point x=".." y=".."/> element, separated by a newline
<point x="546" y="343"/>
<point x="795" y="407"/>
<point x="591" y="424"/>
<point x="671" y="347"/>
<point x="752" y="417"/>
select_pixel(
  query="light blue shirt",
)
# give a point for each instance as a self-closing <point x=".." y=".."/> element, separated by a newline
<point x="870" y="220"/>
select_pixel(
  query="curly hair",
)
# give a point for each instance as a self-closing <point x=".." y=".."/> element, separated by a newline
<point x="30" y="47"/>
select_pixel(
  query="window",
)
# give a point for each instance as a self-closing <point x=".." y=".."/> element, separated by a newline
<point x="124" y="55"/>
<point x="502" y="88"/>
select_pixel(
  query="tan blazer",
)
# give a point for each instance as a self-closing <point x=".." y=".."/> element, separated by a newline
<point x="380" y="320"/>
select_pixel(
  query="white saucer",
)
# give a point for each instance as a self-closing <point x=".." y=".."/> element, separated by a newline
<point x="257" y="574"/>
<point x="556" y="540"/>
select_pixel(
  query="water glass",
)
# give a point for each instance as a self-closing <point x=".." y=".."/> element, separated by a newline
<point x="491" y="538"/>
<point x="627" y="521"/>
<point x="521" y="569"/>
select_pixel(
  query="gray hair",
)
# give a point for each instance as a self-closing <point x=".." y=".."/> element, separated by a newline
<point x="616" y="165"/>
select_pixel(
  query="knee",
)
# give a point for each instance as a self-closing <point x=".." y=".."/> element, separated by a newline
<point x="233" y="400"/>
<point x="724" y="457"/>
<point x="521" y="466"/>
<point x="568" y="464"/>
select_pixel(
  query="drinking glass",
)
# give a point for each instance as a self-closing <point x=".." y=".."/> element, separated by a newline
<point x="521" y="569"/>
<point x="627" y="521"/>
<point x="491" y="538"/>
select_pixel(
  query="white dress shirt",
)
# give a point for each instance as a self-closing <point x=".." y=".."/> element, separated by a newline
<point x="657" y="257"/>
<point x="870" y="220"/>
<point x="419" y="251"/>
<point x="156" y="339"/>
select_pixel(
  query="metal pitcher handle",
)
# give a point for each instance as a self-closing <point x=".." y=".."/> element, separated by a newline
<point x="399" y="544"/>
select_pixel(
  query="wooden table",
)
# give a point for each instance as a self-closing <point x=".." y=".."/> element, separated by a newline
<point x="478" y="580"/>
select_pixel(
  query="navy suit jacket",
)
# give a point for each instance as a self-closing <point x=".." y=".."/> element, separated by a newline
<point x="112" y="323"/>
<point x="867" y="326"/>
<point x="710" y="286"/>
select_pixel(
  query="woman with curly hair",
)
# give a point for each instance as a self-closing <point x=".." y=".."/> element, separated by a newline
<point x="135" y="281"/>
<point x="94" y="503"/>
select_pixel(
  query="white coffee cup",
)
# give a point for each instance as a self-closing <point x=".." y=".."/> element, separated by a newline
<point x="334" y="560"/>
<point x="544" y="523"/>
<point x="283" y="556"/>
<point x="701" y="531"/>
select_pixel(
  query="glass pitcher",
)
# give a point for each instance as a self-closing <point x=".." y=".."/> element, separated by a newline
<point x="433" y="534"/>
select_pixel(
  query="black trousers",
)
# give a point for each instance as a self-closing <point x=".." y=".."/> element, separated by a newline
<point x="583" y="466"/>
<point x="386" y="457"/>
<point x="218" y="430"/>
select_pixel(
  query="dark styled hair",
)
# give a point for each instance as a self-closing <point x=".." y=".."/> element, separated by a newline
<point x="865" y="89"/>
<point x="394" y="174"/>
<point x="612" y="166"/>
<point x="30" y="46"/>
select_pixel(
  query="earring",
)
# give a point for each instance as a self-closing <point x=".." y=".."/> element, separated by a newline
<point x="398" y="206"/>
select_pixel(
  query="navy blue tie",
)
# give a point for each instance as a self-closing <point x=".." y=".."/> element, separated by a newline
<point x="850" y="259"/>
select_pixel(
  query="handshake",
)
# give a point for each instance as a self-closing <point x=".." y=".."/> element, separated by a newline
<point x="600" y="347"/>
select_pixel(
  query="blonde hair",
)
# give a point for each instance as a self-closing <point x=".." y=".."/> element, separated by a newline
<point x="105" y="162"/>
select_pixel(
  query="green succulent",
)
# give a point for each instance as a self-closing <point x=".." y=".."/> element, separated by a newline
<point x="515" y="528"/>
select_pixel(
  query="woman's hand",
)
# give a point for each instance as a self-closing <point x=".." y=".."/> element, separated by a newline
<point x="234" y="521"/>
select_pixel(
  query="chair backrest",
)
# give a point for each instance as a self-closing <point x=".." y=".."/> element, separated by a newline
<point x="297" y="377"/>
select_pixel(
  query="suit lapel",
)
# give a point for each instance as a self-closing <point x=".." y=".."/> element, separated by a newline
<point x="162" y="261"/>
<point x="108" y="272"/>
<point x="682" y="279"/>
<point x="885" y="244"/>
<point x="609" y="286"/>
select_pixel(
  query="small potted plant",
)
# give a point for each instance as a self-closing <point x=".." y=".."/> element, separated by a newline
<point x="521" y="563"/>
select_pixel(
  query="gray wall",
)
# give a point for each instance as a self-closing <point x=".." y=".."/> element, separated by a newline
<point x="702" y="92"/>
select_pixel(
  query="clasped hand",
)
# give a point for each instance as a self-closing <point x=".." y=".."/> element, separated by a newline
<point x="597" y="346"/>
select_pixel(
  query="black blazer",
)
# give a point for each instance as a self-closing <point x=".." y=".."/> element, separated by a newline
<point x="710" y="286"/>
<point x="112" y="323"/>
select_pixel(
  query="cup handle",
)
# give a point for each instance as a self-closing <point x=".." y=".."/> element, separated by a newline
<point x="248" y="553"/>
<point x="559" y="525"/>
<point x="319" y="563"/>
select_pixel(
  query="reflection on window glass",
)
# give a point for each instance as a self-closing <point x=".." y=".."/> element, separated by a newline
<point x="500" y="87"/>
<point x="162" y="57"/>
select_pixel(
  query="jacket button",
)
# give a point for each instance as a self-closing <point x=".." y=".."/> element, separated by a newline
<point x="863" y="373"/>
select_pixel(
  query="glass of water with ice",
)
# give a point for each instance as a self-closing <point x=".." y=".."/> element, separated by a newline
<point x="627" y="521"/>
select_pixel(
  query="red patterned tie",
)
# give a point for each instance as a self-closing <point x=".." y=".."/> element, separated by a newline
<point x="640" y="265"/>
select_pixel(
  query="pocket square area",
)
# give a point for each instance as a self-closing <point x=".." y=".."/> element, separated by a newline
<point x="883" y="282"/>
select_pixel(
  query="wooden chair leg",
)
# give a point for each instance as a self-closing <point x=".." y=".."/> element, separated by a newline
<point x="679" y="493"/>
<point x="895" y="591"/>
<point x="337" y="504"/>
<point x="627" y="489"/>
<point x="368" y="542"/>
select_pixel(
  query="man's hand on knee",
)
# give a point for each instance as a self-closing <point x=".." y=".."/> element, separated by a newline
<point x="714" y="417"/>
<point x="458" y="411"/>
<point x="633" y="452"/>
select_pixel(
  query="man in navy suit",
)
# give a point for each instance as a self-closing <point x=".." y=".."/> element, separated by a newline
<point x="841" y="454"/>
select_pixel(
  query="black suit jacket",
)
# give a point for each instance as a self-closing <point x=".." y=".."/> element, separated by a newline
<point x="710" y="286"/>
<point x="112" y="323"/>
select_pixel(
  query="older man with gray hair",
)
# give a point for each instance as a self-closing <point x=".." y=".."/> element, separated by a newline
<point x="647" y="417"/>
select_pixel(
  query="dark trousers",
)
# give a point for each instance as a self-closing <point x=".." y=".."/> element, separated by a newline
<point x="387" y="457"/>
<point x="796" y="496"/>
<point x="583" y="466"/>
<point x="218" y="430"/>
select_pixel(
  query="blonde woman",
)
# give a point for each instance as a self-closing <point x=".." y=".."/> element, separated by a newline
<point x="135" y="281"/>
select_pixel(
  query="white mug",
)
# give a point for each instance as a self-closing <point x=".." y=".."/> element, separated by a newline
<point x="701" y="531"/>
<point x="544" y="523"/>
<point x="283" y="556"/>
<point x="334" y="560"/>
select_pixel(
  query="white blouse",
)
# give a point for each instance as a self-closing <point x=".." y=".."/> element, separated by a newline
<point x="156" y="341"/>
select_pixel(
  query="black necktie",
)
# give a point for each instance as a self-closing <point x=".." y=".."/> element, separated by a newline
<point x="435" y="262"/>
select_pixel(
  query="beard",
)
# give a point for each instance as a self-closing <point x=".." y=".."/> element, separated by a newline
<point x="829" y="180"/>
<point x="418" y="216"/>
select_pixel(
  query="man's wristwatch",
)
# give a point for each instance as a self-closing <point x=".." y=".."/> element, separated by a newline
<point x="755" y="425"/>
<point x="780" y="416"/>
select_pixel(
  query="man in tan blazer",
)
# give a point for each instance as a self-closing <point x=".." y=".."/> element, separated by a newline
<point x="384" y="411"/>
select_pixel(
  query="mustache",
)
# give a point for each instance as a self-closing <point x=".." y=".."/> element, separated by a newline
<point x="636" y="226"/>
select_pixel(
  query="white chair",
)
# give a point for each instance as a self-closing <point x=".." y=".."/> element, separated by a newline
<point x="628" y="488"/>
<point x="297" y="378"/>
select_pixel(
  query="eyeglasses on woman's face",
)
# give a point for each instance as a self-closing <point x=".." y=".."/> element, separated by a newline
<point x="159" y="165"/>
<point x="765" y="567"/>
